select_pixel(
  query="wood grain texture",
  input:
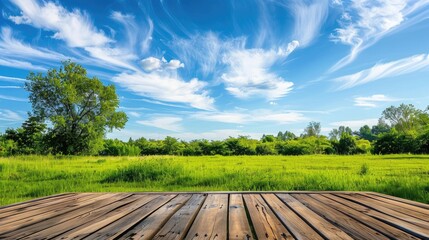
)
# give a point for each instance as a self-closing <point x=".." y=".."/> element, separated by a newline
<point x="239" y="227"/>
<point x="211" y="221"/>
<point x="178" y="225"/>
<point x="226" y="215"/>
<point x="265" y="222"/>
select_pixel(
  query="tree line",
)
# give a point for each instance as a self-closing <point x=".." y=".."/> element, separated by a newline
<point x="71" y="114"/>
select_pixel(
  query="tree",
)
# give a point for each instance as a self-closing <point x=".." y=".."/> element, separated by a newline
<point x="313" y="129"/>
<point x="380" y="128"/>
<point x="346" y="145"/>
<point x="79" y="109"/>
<point x="366" y="133"/>
<point x="286" y="136"/>
<point x="405" y="118"/>
<point x="336" y="134"/>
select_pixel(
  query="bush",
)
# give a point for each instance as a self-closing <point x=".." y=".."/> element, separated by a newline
<point x="292" y="147"/>
<point x="266" y="149"/>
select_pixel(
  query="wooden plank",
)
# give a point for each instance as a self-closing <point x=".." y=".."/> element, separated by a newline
<point x="349" y="225"/>
<point x="400" y="224"/>
<point x="13" y="225"/>
<point x="147" y="228"/>
<point x="104" y="220"/>
<point x="239" y="227"/>
<point x="33" y="202"/>
<point x="298" y="227"/>
<point x="264" y="221"/>
<point x="324" y="227"/>
<point x="178" y="225"/>
<point x="408" y="209"/>
<point x="414" y="203"/>
<point x="49" y="228"/>
<point x="211" y="221"/>
<point x="32" y="210"/>
<point x="371" y="203"/>
<point x="120" y="226"/>
<point x="346" y="207"/>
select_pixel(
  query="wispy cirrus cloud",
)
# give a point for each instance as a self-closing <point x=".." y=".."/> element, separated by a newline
<point x="365" y="22"/>
<point x="20" y="64"/>
<point x="200" y="51"/>
<point x="249" y="74"/>
<point x="74" y="27"/>
<point x="170" y="123"/>
<point x="13" y="48"/>
<point x="9" y="116"/>
<point x="12" y="79"/>
<point x="12" y="98"/>
<point x="309" y="18"/>
<point x="372" y="101"/>
<point x="286" y="117"/>
<point x="384" y="70"/>
<point x="77" y="31"/>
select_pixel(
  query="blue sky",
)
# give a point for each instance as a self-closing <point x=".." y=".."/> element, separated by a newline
<point x="213" y="69"/>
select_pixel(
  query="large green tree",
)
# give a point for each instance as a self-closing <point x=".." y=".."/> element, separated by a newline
<point x="406" y="118"/>
<point x="78" y="109"/>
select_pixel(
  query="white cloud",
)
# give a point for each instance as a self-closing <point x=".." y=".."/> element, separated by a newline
<point x="251" y="116"/>
<point x="11" y="87"/>
<point x="249" y="72"/>
<point x="12" y="79"/>
<point x="133" y="114"/>
<point x="199" y="52"/>
<point x="384" y="70"/>
<point x="356" y="124"/>
<point x="174" y="64"/>
<point x="11" y="47"/>
<point x="164" y="122"/>
<point x="168" y="87"/>
<point x="309" y="18"/>
<point x="10" y="116"/>
<point x="11" y="98"/>
<point x="20" y="64"/>
<point x="368" y="21"/>
<point x="74" y="27"/>
<point x="114" y="56"/>
<point x="151" y="64"/>
<point x="372" y="101"/>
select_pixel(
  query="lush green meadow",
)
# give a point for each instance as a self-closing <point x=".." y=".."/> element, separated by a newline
<point x="27" y="177"/>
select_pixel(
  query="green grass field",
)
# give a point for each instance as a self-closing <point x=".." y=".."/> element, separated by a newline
<point x="27" y="177"/>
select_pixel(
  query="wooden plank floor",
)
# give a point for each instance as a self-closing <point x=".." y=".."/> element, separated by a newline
<point x="226" y="215"/>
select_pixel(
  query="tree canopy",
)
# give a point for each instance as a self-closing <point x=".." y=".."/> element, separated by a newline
<point x="79" y="109"/>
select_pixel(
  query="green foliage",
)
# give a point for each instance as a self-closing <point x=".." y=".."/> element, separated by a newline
<point x="346" y="145"/>
<point x="364" y="169"/>
<point x="78" y="108"/>
<point x="313" y="129"/>
<point x="26" y="177"/>
<point x="406" y="118"/>
<point x="119" y="148"/>
<point x="363" y="146"/>
<point x="267" y="148"/>
<point x="151" y="170"/>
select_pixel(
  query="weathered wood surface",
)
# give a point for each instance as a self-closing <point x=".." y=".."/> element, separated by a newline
<point x="225" y="215"/>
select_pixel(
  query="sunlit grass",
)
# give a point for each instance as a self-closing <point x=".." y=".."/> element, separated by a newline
<point x="27" y="177"/>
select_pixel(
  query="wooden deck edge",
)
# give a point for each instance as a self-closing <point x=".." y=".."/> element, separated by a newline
<point x="232" y="192"/>
<point x="36" y="199"/>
